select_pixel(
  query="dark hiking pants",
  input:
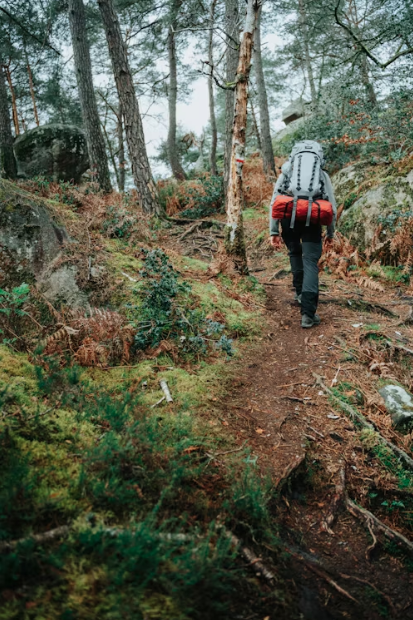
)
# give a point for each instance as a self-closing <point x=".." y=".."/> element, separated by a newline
<point x="304" y="249"/>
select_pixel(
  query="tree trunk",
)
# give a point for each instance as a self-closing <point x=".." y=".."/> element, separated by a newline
<point x="232" y="53"/>
<point x="234" y="237"/>
<point x="121" y="151"/>
<point x="309" y="68"/>
<point x="91" y="122"/>
<point x="255" y="126"/>
<point x="174" y="162"/>
<point x="368" y="86"/>
<point x="8" y="167"/>
<point x="13" y="102"/>
<point x="133" y="123"/>
<point x="214" y="134"/>
<point x="267" y="150"/>
<point x="32" y="93"/>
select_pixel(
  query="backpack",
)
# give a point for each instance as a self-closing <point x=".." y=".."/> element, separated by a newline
<point x="304" y="180"/>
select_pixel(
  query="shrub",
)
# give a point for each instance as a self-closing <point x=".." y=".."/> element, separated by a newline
<point x="192" y="199"/>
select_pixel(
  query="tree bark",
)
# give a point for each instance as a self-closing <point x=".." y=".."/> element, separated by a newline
<point x="214" y="133"/>
<point x="266" y="142"/>
<point x="368" y="86"/>
<point x="234" y="238"/>
<point x="307" y="58"/>
<point x="133" y="123"/>
<point x="174" y="162"/>
<point x="255" y="126"/>
<point x="8" y="166"/>
<point x="232" y="53"/>
<point x="91" y="122"/>
<point x="13" y="101"/>
<point x="121" y="151"/>
<point x="32" y="93"/>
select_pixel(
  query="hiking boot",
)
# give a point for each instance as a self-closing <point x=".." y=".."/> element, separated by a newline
<point x="297" y="298"/>
<point x="308" y="321"/>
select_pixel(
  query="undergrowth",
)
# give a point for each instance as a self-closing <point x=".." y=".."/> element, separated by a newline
<point x="141" y="492"/>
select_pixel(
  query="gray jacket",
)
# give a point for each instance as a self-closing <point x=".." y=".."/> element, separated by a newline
<point x="274" y="224"/>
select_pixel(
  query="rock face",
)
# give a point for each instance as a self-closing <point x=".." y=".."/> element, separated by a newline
<point x="363" y="208"/>
<point x="31" y="242"/>
<point x="399" y="404"/>
<point x="57" y="152"/>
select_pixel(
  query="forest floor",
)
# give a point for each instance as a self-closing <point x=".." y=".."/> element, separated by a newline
<point x="317" y="455"/>
<point x="112" y="501"/>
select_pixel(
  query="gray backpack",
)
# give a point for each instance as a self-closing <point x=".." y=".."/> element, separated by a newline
<point x="305" y="180"/>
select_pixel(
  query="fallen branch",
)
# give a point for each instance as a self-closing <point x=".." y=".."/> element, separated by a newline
<point x="356" y="415"/>
<point x="254" y="561"/>
<point x="373" y="522"/>
<point x="45" y="537"/>
<point x="165" y="390"/>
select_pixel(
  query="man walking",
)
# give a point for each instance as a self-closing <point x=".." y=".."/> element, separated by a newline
<point x="302" y="235"/>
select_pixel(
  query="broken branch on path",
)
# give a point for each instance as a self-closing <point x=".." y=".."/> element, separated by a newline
<point x="356" y="415"/>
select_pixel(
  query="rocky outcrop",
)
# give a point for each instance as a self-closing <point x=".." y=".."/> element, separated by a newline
<point x="367" y="200"/>
<point x="57" y="152"/>
<point x="31" y="244"/>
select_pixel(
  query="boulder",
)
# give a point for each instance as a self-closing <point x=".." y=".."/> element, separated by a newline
<point x="360" y="219"/>
<point x="57" y="152"/>
<point x="399" y="404"/>
<point x="31" y="244"/>
<point x="295" y="110"/>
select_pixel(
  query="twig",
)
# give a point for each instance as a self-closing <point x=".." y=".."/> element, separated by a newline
<point x="37" y="415"/>
<point x="158" y="403"/>
<point x="354" y="414"/>
<point x="277" y="387"/>
<point x="373" y="587"/>
<point x="165" y="390"/>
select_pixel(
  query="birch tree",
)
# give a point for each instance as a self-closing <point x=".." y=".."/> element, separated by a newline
<point x="135" y="138"/>
<point x="234" y="238"/>
<point x="91" y="122"/>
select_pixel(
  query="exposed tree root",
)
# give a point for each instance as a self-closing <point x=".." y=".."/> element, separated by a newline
<point x="359" y="304"/>
<point x="375" y="523"/>
<point x="335" y="504"/>
<point x="291" y="467"/>
<point x="356" y="415"/>
<point x="254" y="561"/>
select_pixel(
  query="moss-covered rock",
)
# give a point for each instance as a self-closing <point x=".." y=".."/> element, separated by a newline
<point x="386" y="195"/>
<point x="57" y="152"/>
<point x="31" y="241"/>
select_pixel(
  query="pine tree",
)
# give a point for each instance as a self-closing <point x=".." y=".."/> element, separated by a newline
<point x="133" y="123"/>
<point x="83" y="66"/>
<point x="8" y="167"/>
<point x="265" y="134"/>
<point x="232" y="54"/>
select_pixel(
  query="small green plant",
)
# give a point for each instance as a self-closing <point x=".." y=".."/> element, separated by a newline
<point x="12" y="312"/>
<point x="168" y="311"/>
<point x="119" y="222"/>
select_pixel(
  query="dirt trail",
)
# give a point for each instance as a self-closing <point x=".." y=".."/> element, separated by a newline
<point x="285" y="417"/>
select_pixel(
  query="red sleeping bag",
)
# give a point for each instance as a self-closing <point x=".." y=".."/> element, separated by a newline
<point x="321" y="210"/>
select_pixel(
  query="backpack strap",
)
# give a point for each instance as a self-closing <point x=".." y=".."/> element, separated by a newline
<point x="310" y="204"/>
<point x="294" y="212"/>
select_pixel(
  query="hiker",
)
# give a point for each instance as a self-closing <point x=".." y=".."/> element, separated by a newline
<point x="303" y="201"/>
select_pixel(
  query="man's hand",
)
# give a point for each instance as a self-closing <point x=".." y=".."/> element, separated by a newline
<point x="276" y="242"/>
<point x="328" y="243"/>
